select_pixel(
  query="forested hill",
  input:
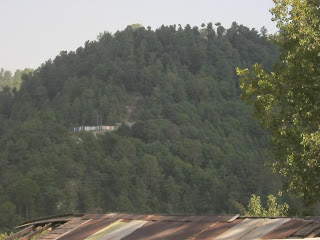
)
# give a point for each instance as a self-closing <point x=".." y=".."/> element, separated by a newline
<point x="194" y="147"/>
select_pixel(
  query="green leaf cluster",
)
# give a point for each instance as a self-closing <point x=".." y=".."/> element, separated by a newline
<point x="286" y="101"/>
<point x="255" y="208"/>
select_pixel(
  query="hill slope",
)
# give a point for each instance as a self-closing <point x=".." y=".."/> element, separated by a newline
<point x="194" y="147"/>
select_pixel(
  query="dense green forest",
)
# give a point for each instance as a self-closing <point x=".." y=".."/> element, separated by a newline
<point x="193" y="148"/>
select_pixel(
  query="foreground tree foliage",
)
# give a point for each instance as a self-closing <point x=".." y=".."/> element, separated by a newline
<point x="255" y="208"/>
<point x="193" y="147"/>
<point x="287" y="100"/>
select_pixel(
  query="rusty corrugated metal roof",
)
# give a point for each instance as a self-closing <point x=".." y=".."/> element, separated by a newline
<point x="169" y="230"/>
<point x="124" y="231"/>
<point x="87" y="229"/>
<point x="265" y="227"/>
<point x="110" y="228"/>
<point x="154" y="230"/>
<point x="64" y="229"/>
<point x="287" y="229"/>
<point x="175" y="227"/>
<point x="307" y="230"/>
<point x="240" y="229"/>
<point x="216" y="229"/>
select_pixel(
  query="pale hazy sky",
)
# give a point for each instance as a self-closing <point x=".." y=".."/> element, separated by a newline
<point x="33" y="31"/>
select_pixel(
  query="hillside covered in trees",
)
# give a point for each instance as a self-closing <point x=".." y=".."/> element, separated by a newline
<point x="193" y="147"/>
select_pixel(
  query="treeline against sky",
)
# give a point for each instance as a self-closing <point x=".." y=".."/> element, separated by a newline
<point x="7" y="79"/>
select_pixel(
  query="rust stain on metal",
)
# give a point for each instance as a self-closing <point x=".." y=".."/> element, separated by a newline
<point x="125" y="220"/>
<point x="187" y="230"/>
<point x="126" y="216"/>
<point x="50" y="236"/>
<point x="171" y="230"/>
<point x="147" y="217"/>
<point x="307" y="230"/>
<point x="153" y="231"/>
<point x="217" y="229"/>
<point x="93" y="216"/>
<point x="97" y="216"/>
<point x="88" y="229"/>
<point x="194" y="236"/>
<point x="124" y="230"/>
<point x="240" y="229"/>
<point x="190" y="218"/>
<point x="205" y="218"/>
<point x="287" y="229"/>
<point x="265" y="227"/>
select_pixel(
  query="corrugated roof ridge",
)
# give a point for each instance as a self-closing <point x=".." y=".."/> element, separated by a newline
<point x="65" y="226"/>
<point x="166" y="217"/>
<point x="307" y="218"/>
<point x="266" y="217"/>
<point x="180" y="215"/>
<point x="50" y="217"/>
<point x="234" y="218"/>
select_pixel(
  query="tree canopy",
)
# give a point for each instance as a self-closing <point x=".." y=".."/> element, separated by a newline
<point x="12" y="81"/>
<point x="191" y="145"/>
<point x="287" y="100"/>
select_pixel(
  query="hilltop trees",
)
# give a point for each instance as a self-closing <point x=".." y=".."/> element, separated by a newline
<point x="12" y="81"/>
<point x="194" y="147"/>
<point x="287" y="100"/>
